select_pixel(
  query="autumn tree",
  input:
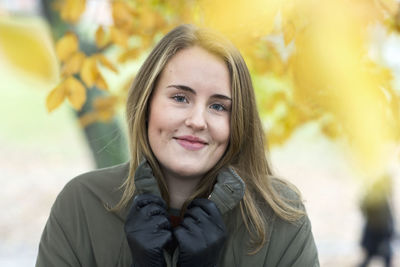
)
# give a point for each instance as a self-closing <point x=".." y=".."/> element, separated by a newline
<point x="310" y="61"/>
<point x="102" y="129"/>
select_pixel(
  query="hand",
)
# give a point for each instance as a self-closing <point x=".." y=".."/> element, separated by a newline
<point x="148" y="230"/>
<point x="201" y="234"/>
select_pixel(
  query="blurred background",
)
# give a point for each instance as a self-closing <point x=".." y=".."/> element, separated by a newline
<point x="326" y="75"/>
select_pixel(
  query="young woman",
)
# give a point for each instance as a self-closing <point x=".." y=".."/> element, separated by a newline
<point x="198" y="190"/>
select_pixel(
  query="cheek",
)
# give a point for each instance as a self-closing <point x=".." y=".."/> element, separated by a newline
<point x="154" y="127"/>
<point x="162" y="124"/>
<point x="156" y="117"/>
<point x="222" y="132"/>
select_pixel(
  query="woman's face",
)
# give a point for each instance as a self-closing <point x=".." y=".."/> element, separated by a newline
<point x="189" y="117"/>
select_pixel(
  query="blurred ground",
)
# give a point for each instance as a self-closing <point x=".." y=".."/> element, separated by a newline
<point x="39" y="153"/>
<point x="318" y="168"/>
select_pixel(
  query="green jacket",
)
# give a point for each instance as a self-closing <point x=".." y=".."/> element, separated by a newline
<point x="80" y="230"/>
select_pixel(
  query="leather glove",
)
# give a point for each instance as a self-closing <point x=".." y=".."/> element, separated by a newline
<point x="148" y="230"/>
<point x="201" y="235"/>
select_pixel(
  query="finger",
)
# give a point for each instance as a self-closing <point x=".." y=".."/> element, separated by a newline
<point x="189" y="235"/>
<point x="165" y="238"/>
<point x="207" y="205"/>
<point x="159" y="239"/>
<point x="197" y="214"/>
<point x="207" y="224"/>
<point x="190" y="223"/>
<point x="153" y="209"/>
<point x="144" y="199"/>
<point x="180" y="234"/>
<point x="188" y="231"/>
<point x="205" y="211"/>
<point x="164" y="223"/>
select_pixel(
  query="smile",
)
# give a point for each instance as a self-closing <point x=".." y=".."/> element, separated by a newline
<point x="190" y="142"/>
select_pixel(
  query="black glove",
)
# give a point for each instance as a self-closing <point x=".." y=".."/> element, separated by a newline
<point x="148" y="230"/>
<point x="201" y="235"/>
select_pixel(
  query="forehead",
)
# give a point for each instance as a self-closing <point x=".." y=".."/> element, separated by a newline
<point x="196" y="66"/>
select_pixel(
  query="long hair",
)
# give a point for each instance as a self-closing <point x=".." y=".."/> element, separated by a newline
<point x="245" y="152"/>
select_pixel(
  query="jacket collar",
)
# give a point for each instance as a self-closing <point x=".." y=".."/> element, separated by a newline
<point x="227" y="193"/>
<point x="145" y="182"/>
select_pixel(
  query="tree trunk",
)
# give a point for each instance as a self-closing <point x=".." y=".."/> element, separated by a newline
<point x="106" y="141"/>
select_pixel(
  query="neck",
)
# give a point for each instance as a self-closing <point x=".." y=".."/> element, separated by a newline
<point x="180" y="189"/>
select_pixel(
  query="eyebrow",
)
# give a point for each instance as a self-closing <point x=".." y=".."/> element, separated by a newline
<point x="188" y="89"/>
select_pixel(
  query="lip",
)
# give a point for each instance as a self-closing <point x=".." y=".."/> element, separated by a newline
<point x="191" y="142"/>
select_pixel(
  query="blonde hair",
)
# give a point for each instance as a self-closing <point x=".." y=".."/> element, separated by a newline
<point x="245" y="152"/>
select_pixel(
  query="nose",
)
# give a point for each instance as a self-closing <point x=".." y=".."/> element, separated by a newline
<point x="196" y="119"/>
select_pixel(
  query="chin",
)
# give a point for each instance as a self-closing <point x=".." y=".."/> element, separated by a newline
<point x="186" y="171"/>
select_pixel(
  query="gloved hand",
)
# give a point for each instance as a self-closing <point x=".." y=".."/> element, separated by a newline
<point x="148" y="230"/>
<point x="201" y="235"/>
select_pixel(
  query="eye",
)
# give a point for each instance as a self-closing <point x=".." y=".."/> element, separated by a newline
<point x="218" y="107"/>
<point x="180" y="98"/>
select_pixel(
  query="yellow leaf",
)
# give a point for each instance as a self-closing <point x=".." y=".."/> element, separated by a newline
<point x="267" y="59"/>
<point x="330" y="127"/>
<point x="71" y="10"/>
<point x="129" y="55"/>
<point x="397" y="20"/>
<point x="56" y="97"/>
<point x="101" y="38"/>
<point x="148" y="20"/>
<point x="103" y="110"/>
<point x="119" y="37"/>
<point x="105" y="115"/>
<point x="106" y="63"/>
<point x="388" y="7"/>
<point x="289" y="31"/>
<point x="147" y="41"/>
<point x="67" y="46"/>
<point x="330" y="68"/>
<point x="25" y="43"/>
<point x="76" y="92"/>
<point x="240" y="20"/>
<point x="101" y="83"/>
<point x="122" y="14"/>
<point x="105" y="107"/>
<point x="87" y="119"/>
<point x="102" y="103"/>
<point x="73" y="64"/>
<point x="89" y="71"/>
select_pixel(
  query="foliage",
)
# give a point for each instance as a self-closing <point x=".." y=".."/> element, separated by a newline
<point x="16" y="36"/>
<point x="309" y="59"/>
